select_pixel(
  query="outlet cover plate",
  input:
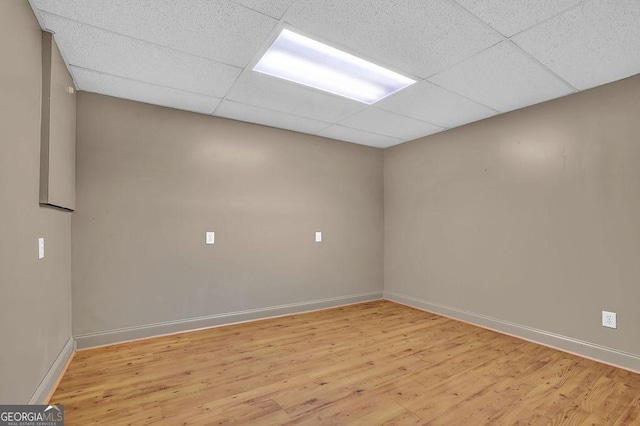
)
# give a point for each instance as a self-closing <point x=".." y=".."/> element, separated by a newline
<point x="210" y="238"/>
<point x="609" y="319"/>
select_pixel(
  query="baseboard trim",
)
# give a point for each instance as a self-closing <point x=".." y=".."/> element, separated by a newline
<point x="92" y="340"/>
<point x="603" y="354"/>
<point x="52" y="378"/>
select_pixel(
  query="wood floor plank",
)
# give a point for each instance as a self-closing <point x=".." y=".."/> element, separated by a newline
<point x="371" y="363"/>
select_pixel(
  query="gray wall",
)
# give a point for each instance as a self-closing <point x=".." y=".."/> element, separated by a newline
<point x="35" y="314"/>
<point x="152" y="180"/>
<point x="532" y="217"/>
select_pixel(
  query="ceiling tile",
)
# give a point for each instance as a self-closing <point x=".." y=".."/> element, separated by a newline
<point x="510" y="17"/>
<point x="503" y="78"/>
<point x="348" y="134"/>
<point x="252" y="114"/>
<point x="216" y="29"/>
<point x="390" y="124"/>
<point x="416" y="36"/>
<point x="590" y="45"/>
<point x="280" y="95"/>
<point x="273" y="8"/>
<point x="96" y="82"/>
<point x="427" y="102"/>
<point x="89" y="47"/>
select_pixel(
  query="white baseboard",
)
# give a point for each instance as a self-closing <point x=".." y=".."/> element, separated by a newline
<point x="589" y="350"/>
<point x="51" y="378"/>
<point x="150" y="330"/>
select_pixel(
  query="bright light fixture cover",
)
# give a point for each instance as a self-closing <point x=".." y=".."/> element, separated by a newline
<point x="302" y="60"/>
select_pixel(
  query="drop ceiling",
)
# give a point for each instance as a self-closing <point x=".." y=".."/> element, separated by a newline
<point x="472" y="59"/>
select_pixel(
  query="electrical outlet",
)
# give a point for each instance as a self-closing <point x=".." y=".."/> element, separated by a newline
<point x="609" y="319"/>
<point x="210" y="238"/>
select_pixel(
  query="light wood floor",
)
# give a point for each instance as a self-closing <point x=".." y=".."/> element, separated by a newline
<point x="372" y="363"/>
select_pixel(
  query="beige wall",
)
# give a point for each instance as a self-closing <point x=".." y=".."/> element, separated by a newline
<point x="532" y="217"/>
<point x="35" y="321"/>
<point x="152" y="180"/>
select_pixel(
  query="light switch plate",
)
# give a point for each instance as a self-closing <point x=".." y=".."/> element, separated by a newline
<point x="41" y="248"/>
<point x="210" y="238"/>
<point x="318" y="237"/>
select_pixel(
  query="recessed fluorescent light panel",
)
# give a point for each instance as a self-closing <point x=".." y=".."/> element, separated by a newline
<point x="305" y="61"/>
